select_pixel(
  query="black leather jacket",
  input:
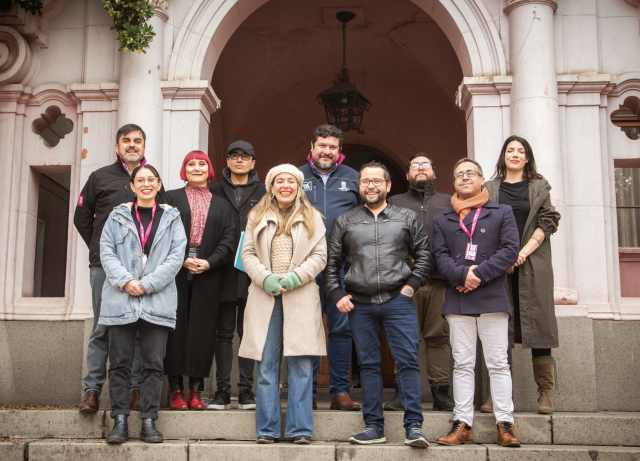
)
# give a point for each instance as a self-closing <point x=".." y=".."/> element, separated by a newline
<point x="377" y="253"/>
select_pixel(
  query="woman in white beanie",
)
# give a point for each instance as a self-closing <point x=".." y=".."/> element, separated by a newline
<point x="284" y="249"/>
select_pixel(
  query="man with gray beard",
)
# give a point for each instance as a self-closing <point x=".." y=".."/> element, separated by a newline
<point x="426" y="202"/>
<point x="106" y="188"/>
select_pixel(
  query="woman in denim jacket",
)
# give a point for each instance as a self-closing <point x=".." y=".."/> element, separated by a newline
<point x="142" y="249"/>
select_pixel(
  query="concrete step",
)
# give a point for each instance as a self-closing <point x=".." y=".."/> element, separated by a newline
<point x="531" y="428"/>
<point x="134" y="450"/>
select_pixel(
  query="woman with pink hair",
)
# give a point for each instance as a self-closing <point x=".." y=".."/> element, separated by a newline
<point x="209" y="225"/>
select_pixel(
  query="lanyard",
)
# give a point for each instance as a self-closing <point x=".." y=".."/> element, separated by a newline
<point x="473" y="226"/>
<point x="144" y="235"/>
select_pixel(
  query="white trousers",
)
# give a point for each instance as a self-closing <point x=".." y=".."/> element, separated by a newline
<point x="493" y="330"/>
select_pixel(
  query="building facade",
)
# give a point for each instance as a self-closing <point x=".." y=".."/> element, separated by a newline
<point x="453" y="78"/>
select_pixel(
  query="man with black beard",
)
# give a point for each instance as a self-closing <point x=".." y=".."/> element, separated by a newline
<point x="426" y="202"/>
<point x="377" y="243"/>
<point x="105" y="189"/>
<point x="332" y="188"/>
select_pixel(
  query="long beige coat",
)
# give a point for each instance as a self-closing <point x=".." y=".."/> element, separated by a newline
<point x="303" y="330"/>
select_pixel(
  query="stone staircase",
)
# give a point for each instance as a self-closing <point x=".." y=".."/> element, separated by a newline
<point x="228" y="435"/>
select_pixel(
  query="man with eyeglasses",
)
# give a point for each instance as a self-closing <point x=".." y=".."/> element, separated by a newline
<point x="242" y="190"/>
<point x="332" y="188"/>
<point x="426" y="202"/>
<point x="376" y="242"/>
<point x="106" y="188"/>
<point x="475" y="241"/>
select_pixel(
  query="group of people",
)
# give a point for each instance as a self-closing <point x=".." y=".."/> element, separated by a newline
<point x="169" y="291"/>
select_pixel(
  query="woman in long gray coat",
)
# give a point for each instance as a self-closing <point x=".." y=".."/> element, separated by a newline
<point x="517" y="183"/>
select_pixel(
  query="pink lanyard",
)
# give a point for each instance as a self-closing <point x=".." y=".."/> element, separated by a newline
<point x="144" y="235"/>
<point x="473" y="226"/>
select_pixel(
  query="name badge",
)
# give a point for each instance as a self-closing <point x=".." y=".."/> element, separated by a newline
<point x="471" y="252"/>
<point x="144" y="260"/>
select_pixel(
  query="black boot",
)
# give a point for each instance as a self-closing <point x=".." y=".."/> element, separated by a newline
<point x="394" y="404"/>
<point x="442" y="401"/>
<point x="149" y="433"/>
<point x="120" y="431"/>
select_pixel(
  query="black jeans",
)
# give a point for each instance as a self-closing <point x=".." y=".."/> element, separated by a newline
<point x="228" y="322"/>
<point x="153" y="345"/>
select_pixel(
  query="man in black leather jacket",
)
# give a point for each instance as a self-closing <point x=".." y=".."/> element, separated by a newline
<point x="376" y="242"/>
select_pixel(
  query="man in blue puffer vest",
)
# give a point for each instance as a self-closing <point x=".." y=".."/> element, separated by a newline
<point x="333" y="189"/>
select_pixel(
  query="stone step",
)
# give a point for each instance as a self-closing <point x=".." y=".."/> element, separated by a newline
<point x="134" y="450"/>
<point x="531" y="428"/>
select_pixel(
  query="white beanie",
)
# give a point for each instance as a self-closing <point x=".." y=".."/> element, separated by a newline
<point x="284" y="168"/>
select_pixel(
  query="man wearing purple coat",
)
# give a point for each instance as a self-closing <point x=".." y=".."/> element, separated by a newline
<point x="475" y="241"/>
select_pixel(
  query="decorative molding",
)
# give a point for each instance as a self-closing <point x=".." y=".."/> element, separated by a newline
<point x="15" y="55"/>
<point x="565" y="296"/>
<point x="513" y="4"/>
<point x="192" y="89"/>
<point x="51" y="92"/>
<point x="475" y="86"/>
<point x="633" y="2"/>
<point x="94" y="91"/>
<point x="572" y="310"/>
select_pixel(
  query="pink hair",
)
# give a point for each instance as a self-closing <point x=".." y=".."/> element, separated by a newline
<point x="196" y="155"/>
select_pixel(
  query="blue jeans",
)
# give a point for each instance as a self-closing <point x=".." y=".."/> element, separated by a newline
<point x="398" y="316"/>
<point x="98" y="349"/>
<point x="299" y="420"/>
<point x="339" y="347"/>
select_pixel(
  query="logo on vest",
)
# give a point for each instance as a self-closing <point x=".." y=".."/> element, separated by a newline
<point x="306" y="185"/>
<point x="343" y="186"/>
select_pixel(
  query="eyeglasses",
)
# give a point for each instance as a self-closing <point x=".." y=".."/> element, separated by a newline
<point x="152" y="181"/>
<point x="375" y="182"/>
<point x="468" y="174"/>
<point x="236" y="156"/>
<point x="424" y="165"/>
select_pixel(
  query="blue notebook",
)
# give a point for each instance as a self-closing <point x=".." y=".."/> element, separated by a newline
<point x="238" y="260"/>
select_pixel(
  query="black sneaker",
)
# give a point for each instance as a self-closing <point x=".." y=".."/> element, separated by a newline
<point x="442" y="401"/>
<point x="265" y="439"/>
<point x="221" y="400"/>
<point x="302" y="439"/>
<point x="415" y="437"/>
<point x="368" y="436"/>
<point x="246" y="400"/>
<point x="394" y="404"/>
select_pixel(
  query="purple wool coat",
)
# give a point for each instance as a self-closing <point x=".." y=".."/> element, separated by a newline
<point x="496" y="235"/>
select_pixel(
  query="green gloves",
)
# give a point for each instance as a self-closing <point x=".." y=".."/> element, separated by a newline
<point x="272" y="284"/>
<point x="290" y="281"/>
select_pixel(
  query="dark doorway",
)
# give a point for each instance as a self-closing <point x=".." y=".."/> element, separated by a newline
<point x="357" y="155"/>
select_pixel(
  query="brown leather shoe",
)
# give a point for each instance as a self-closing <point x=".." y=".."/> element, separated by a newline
<point x="344" y="402"/>
<point x="90" y="403"/>
<point x="458" y="435"/>
<point x="506" y="437"/>
<point x="134" y="402"/>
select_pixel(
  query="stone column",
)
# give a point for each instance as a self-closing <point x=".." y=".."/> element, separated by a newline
<point x="140" y="99"/>
<point x="534" y="114"/>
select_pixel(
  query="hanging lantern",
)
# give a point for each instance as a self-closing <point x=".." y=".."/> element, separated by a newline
<point x="344" y="106"/>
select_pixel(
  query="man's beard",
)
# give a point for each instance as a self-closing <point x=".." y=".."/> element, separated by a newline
<point x="323" y="166"/>
<point x="132" y="156"/>
<point x="372" y="202"/>
<point x="421" y="183"/>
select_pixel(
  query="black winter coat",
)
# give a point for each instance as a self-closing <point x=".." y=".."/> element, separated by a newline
<point x="426" y="206"/>
<point x="235" y="283"/>
<point x="496" y="235"/>
<point x="191" y="345"/>
<point x="106" y="188"/>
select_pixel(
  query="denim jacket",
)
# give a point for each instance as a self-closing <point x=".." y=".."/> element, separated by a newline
<point x="121" y="256"/>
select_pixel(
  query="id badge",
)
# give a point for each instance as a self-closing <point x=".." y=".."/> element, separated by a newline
<point x="471" y="252"/>
<point x="144" y="260"/>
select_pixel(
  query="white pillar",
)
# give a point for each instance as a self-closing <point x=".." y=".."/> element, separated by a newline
<point x="140" y="99"/>
<point x="534" y="114"/>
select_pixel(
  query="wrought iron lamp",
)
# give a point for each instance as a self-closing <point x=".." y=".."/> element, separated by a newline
<point x="343" y="104"/>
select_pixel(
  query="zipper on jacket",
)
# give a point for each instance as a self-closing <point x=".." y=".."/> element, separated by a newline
<point x="377" y="259"/>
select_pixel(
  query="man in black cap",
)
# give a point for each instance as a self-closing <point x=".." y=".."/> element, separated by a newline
<point x="240" y="187"/>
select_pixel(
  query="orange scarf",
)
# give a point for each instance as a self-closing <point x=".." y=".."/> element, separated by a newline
<point x="462" y="207"/>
